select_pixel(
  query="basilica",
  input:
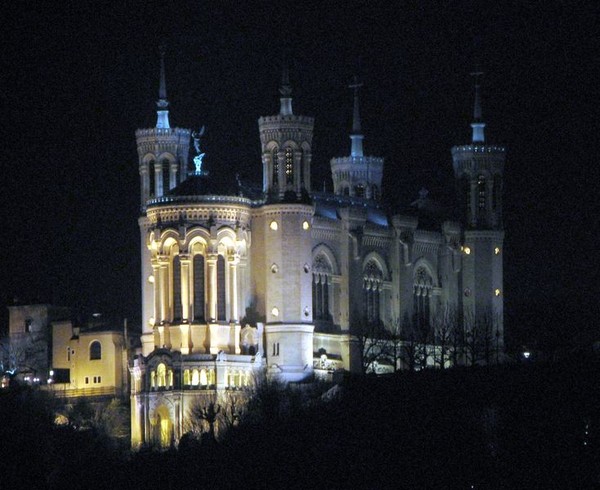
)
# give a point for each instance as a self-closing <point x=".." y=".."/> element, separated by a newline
<point x="288" y="280"/>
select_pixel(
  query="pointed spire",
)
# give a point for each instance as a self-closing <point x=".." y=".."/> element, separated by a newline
<point x="162" y="104"/>
<point x="356" y="136"/>
<point x="478" y="125"/>
<point x="286" y="93"/>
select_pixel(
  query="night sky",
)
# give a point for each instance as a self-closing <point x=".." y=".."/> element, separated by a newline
<point x="78" y="78"/>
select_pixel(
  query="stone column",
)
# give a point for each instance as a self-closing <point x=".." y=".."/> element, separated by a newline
<point x="233" y="289"/>
<point x="158" y="180"/>
<point x="297" y="171"/>
<point x="156" y="275"/>
<point x="306" y="169"/>
<point x="163" y="288"/>
<point x="172" y="175"/>
<point x="281" y="175"/>
<point x="212" y="286"/>
<point x="185" y="261"/>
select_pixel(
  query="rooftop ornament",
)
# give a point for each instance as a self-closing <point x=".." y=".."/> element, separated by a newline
<point x="196" y="135"/>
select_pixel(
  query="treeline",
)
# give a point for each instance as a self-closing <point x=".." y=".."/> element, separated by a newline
<point x="512" y="426"/>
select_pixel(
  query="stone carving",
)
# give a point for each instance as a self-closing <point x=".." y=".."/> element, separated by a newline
<point x="196" y="135"/>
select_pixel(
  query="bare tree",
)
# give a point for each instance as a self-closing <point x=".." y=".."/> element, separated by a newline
<point x="444" y="329"/>
<point x="206" y="413"/>
<point x="370" y="338"/>
<point x="392" y="348"/>
<point x="411" y="352"/>
<point x="480" y="339"/>
<point x="24" y="354"/>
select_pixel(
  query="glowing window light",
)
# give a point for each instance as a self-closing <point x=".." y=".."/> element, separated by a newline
<point x="274" y="226"/>
<point x="497" y="292"/>
<point x="467" y="250"/>
<point x="497" y="251"/>
<point x="275" y="311"/>
<point x="305" y="225"/>
<point x="151" y="279"/>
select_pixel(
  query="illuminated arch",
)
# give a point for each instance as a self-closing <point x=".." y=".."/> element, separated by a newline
<point x="424" y="282"/>
<point x="326" y="251"/>
<point x="381" y="263"/>
<point x="163" y="427"/>
<point x="95" y="350"/>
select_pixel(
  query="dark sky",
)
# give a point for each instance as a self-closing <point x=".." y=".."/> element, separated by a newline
<point x="77" y="79"/>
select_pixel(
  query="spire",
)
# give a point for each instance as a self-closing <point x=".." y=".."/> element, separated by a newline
<point x="356" y="136"/>
<point x="286" y="93"/>
<point x="478" y="125"/>
<point x="162" y="104"/>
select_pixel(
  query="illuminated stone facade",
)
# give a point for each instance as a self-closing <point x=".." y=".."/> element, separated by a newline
<point x="287" y="279"/>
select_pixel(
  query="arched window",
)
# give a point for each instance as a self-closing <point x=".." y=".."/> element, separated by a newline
<point x="275" y="158"/>
<point x="186" y="377"/>
<point x="221" y="306"/>
<point x="161" y="375"/>
<point x="346" y="191"/>
<point x="359" y="190"/>
<point x="176" y="288"/>
<point x="151" y="179"/>
<point x="95" y="351"/>
<point x="289" y="166"/>
<point x="320" y="288"/>
<point x="422" y="289"/>
<point x="199" y="288"/>
<point x="166" y="175"/>
<point x="372" y="283"/>
<point x="203" y="378"/>
<point x="195" y="379"/>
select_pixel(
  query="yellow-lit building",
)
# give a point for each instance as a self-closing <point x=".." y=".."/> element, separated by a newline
<point x="47" y="349"/>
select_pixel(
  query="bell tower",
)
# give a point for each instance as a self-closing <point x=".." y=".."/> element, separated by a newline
<point x="162" y="151"/>
<point x="479" y="170"/>
<point x="282" y="241"/>
<point x="357" y="175"/>
<point x="286" y="141"/>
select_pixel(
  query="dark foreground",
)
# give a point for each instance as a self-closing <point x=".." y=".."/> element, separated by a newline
<point x="501" y="427"/>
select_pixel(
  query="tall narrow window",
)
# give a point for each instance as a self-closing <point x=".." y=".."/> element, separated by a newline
<point x="198" y="288"/>
<point x="151" y="179"/>
<point x="372" y="282"/>
<point x="176" y="288"/>
<point x="161" y="375"/>
<point x="321" y="283"/>
<point x="166" y="175"/>
<point x="95" y="351"/>
<point x="221" y="306"/>
<point x="359" y="190"/>
<point x="481" y="192"/>
<point x="301" y="169"/>
<point x="422" y="289"/>
<point x="275" y="158"/>
<point x="289" y="166"/>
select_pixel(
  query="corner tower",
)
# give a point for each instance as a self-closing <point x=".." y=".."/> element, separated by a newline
<point x="163" y="161"/>
<point x="357" y="175"/>
<point x="286" y="141"/>
<point x="282" y="242"/>
<point x="162" y="150"/>
<point x="479" y="170"/>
